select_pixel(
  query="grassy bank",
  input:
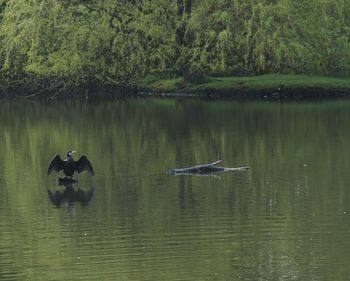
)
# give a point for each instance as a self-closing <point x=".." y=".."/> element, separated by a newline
<point x="276" y="85"/>
<point x="272" y="86"/>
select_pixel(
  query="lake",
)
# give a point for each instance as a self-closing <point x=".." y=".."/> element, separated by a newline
<point x="286" y="218"/>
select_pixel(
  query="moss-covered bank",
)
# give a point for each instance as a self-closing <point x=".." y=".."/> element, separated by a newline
<point x="273" y="86"/>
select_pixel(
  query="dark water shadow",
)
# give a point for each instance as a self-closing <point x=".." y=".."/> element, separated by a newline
<point x="70" y="195"/>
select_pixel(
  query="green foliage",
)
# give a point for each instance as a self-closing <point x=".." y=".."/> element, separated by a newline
<point x="85" y="44"/>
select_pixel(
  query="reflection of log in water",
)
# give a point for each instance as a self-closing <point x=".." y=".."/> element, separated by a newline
<point x="204" y="170"/>
<point x="70" y="194"/>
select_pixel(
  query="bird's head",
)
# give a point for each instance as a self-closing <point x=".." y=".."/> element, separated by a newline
<point x="70" y="153"/>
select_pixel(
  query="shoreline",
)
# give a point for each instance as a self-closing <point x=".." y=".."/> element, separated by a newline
<point x="270" y="87"/>
<point x="272" y="94"/>
<point x="264" y="87"/>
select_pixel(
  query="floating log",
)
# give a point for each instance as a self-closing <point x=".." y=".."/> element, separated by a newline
<point x="204" y="170"/>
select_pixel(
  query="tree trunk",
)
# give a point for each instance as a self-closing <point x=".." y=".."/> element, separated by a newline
<point x="184" y="9"/>
<point x="180" y="8"/>
<point x="188" y="7"/>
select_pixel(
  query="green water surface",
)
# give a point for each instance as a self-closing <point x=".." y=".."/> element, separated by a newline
<point x="287" y="218"/>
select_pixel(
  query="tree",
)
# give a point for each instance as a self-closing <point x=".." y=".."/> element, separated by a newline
<point x="88" y="44"/>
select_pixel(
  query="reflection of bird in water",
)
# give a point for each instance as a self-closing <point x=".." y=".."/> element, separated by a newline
<point x="70" y="195"/>
<point x="69" y="165"/>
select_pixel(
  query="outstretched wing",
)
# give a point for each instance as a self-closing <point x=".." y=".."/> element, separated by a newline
<point x="84" y="164"/>
<point x="56" y="164"/>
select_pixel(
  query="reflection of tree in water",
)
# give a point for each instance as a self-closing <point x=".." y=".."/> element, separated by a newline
<point x="70" y="195"/>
